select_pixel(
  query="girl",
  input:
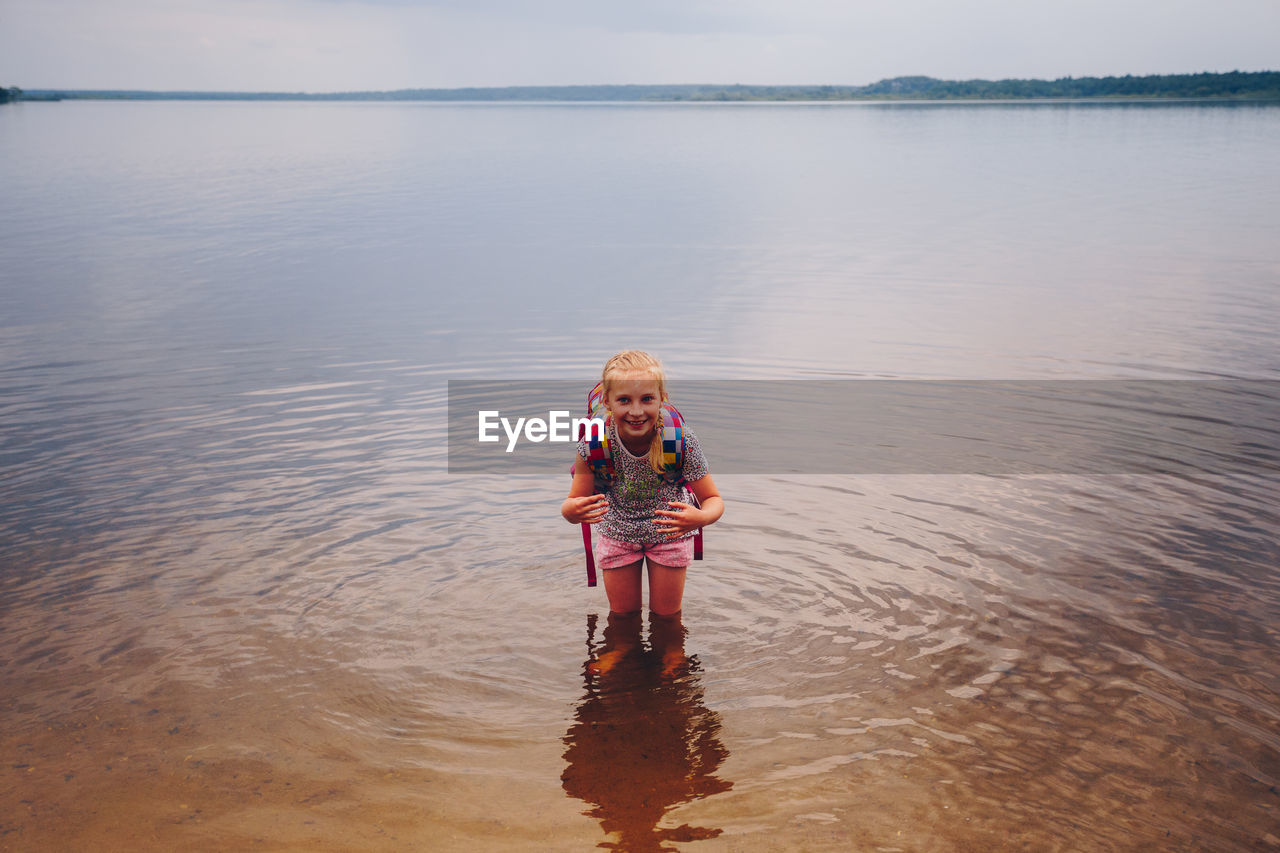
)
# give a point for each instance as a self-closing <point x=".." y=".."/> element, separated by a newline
<point x="644" y="517"/>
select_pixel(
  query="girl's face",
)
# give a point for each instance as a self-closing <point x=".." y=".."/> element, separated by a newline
<point x="634" y="401"/>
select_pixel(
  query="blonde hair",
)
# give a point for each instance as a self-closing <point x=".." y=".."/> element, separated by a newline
<point x="637" y="361"/>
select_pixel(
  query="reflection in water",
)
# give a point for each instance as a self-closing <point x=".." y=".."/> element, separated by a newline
<point x="642" y="741"/>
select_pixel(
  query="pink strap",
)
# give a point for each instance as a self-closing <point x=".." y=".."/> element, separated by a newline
<point x="591" y="560"/>
<point x="697" y="536"/>
<point x="586" y="543"/>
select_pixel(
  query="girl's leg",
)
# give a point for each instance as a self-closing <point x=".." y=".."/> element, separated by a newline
<point x="621" y="638"/>
<point x="666" y="635"/>
<point x="666" y="590"/>
<point x="622" y="586"/>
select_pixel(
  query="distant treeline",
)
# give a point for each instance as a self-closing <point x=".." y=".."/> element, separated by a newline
<point x="13" y="93"/>
<point x="1234" y="84"/>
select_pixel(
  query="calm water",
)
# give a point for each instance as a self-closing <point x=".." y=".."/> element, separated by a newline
<point x="243" y="605"/>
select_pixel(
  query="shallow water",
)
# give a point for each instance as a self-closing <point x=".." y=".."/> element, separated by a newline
<point x="244" y="605"/>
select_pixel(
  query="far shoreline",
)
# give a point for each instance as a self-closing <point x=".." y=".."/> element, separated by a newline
<point x="1117" y="101"/>
<point x="1234" y="86"/>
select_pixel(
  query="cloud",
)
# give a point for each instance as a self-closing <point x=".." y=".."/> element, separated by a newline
<point x="655" y="16"/>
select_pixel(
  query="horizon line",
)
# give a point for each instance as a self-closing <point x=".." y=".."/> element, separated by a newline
<point x="512" y="86"/>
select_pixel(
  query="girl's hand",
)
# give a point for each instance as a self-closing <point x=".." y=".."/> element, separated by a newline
<point x="584" y="510"/>
<point x="680" y="520"/>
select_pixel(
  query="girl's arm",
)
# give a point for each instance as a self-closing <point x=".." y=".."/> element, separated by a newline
<point x="709" y="501"/>
<point x="683" y="517"/>
<point x="584" y="505"/>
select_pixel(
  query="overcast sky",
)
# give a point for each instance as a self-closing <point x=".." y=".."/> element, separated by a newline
<point x="344" y="45"/>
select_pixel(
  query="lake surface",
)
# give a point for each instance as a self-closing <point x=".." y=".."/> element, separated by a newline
<point x="244" y="605"/>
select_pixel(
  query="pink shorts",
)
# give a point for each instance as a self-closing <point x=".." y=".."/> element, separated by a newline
<point x="614" y="553"/>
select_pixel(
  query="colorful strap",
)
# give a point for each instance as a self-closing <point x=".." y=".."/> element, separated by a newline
<point x="595" y="401"/>
<point x="672" y="444"/>
<point x="600" y="456"/>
